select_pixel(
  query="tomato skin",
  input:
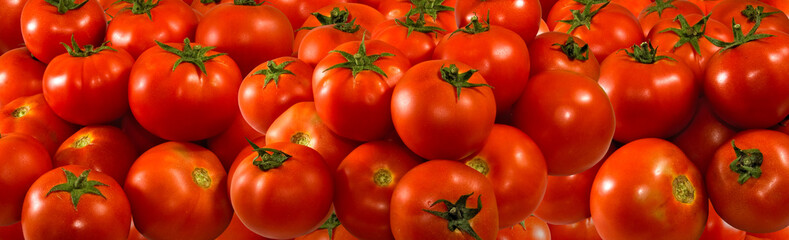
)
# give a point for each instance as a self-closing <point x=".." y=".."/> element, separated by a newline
<point x="12" y="34"/>
<point x="544" y="56"/>
<point x="237" y="231"/>
<point x="717" y="229"/>
<point x="317" y="43"/>
<point x="573" y="124"/>
<point x="32" y="116"/>
<point x="778" y="235"/>
<point x="171" y="21"/>
<point x="262" y="103"/>
<point x="448" y="180"/>
<point x="581" y="230"/>
<point x="53" y="216"/>
<point x="260" y="141"/>
<point x="299" y="11"/>
<point x="367" y="17"/>
<point x="172" y="168"/>
<point x="198" y="109"/>
<point x="649" y="182"/>
<point x="726" y="10"/>
<point x="782" y="5"/>
<point x="649" y="19"/>
<point x="416" y="46"/>
<point x="339" y="233"/>
<point x="521" y="16"/>
<point x="393" y="9"/>
<point x="227" y="144"/>
<point x="757" y="205"/>
<point x="102" y="148"/>
<point x="433" y="121"/>
<point x="604" y="37"/>
<point x="141" y="138"/>
<point x="267" y="208"/>
<point x="24" y="160"/>
<point x="532" y="229"/>
<point x="43" y="28"/>
<point x="360" y="200"/>
<point x="705" y="133"/>
<point x="20" y="75"/>
<point x="508" y="158"/>
<point x="12" y="232"/>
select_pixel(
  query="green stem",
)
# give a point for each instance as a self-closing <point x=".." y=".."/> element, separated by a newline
<point x="458" y="80"/>
<point x="646" y="54"/>
<point x="268" y="158"/>
<point x="458" y="216"/>
<point x="192" y="54"/>
<point x="747" y="163"/>
<point x="360" y="61"/>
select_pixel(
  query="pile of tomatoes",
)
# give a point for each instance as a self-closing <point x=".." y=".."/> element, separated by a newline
<point x="394" y="119"/>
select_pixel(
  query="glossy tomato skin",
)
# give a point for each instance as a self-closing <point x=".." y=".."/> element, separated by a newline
<point x="611" y="29"/>
<point x="416" y="46"/>
<point x="44" y="28"/>
<point x="436" y="123"/>
<point x="520" y="16"/>
<point x="32" y="116"/>
<point x="649" y="182"/>
<point x="259" y="141"/>
<point x="757" y="204"/>
<point x="170" y="21"/>
<point x="181" y="174"/>
<point x="12" y="232"/>
<point x="782" y="5"/>
<point x="51" y="215"/>
<point x="12" y="34"/>
<point x="726" y="10"/>
<point x="364" y="183"/>
<point x="141" y="138"/>
<point x="227" y="144"/>
<point x="101" y="148"/>
<point x="237" y="231"/>
<point x="393" y="9"/>
<point x="545" y="56"/>
<point x="648" y="19"/>
<point x="316" y="44"/>
<point x="581" y="230"/>
<point x="89" y="90"/>
<point x="777" y="235"/>
<point x="366" y="16"/>
<point x="717" y="229"/>
<point x="298" y="11"/>
<point x="24" y="160"/>
<point x="705" y="133"/>
<point x="20" y="75"/>
<point x="573" y="123"/>
<point x="286" y="201"/>
<point x="173" y="106"/>
<point x="531" y="229"/>
<point x="448" y="180"/>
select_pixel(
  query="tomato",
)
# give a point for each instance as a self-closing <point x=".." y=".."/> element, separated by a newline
<point x="283" y="190"/>
<point x="141" y="138"/>
<point x="261" y="103"/>
<point x="573" y="123"/>
<point x="520" y="16"/>
<point x="237" y="231"/>
<point x="781" y="5"/>
<point x="24" y="160"/>
<point x="778" y="235"/>
<point x="12" y="232"/>
<point x="203" y="6"/>
<point x="744" y="181"/>
<point x="168" y="102"/>
<point x="20" y="75"/>
<point x="443" y="109"/>
<point x="365" y="16"/>
<point x="12" y="34"/>
<point x="73" y="202"/>
<point x="442" y="199"/>
<point x="332" y="229"/>
<point x="165" y="21"/>
<point x="46" y="24"/>
<point x="562" y="7"/>
<point x="500" y="56"/>
<point x="227" y="144"/>
<point x="665" y="9"/>
<point x="301" y="124"/>
<point x="561" y="51"/>
<point x="318" y="42"/>
<point x="634" y="6"/>
<point x="439" y="12"/>
<point x="508" y="158"/>
<point x="705" y="133"/>
<point x="530" y="229"/>
<point x="134" y="234"/>
<point x="259" y="141"/>
<point x="417" y="39"/>
<point x="102" y="148"/>
<point x="364" y="183"/>
<point x="87" y="97"/>
<point x="739" y="11"/>
<point x="581" y="230"/>
<point x="299" y="11"/>
<point x="648" y="189"/>
<point x="251" y="34"/>
<point x="606" y="28"/>
<point x="32" y="116"/>
<point x="717" y="229"/>
<point x="658" y="102"/>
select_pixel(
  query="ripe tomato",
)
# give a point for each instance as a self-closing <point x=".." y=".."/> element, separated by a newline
<point x="73" y="202"/>
<point x="717" y="229"/>
<point x="24" y="160"/>
<point x="705" y="133"/>
<point x="665" y="9"/>
<point x="561" y="51"/>
<point x="365" y="16"/>
<point x="439" y="12"/>
<point x="135" y="30"/>
<point x="605" y="27"/>
<point x="520" y="16"/>
<point x="186" y="173"/>
<point x="299" y="11"/>
<point x="573" y="123"/>
<point x="332" y="229"/>
<point x="648" y="189"/>
<point x="778" y="235"/>
<point x="508" y="158"/>
<point x="530" y="229"/>
<point x="364" y="183"/>
<point x="259" y="141"/>
<point x="46" y="24"/>
<point x="581" y="230"/>
<point x="261" y="102"/>
<point x="20" y="75"/>
<point x="413" y="36"/>
<point x="12" y="34"/>
<point x="443" y="109"/>
<point x="562" y="7"/>
<point x="745" y="179"/>
<point x="227" y="144"/>
<point x="442" y="199"/>
<point x="739" y="11"/>
<point x="101" y="148"/>
<point x="283" y="190"/>
<point x="168" y="100"/>
<point x="318" y="42"/>
<point x="237" y="231"/>
<point x="32" y="116"/>
<point x="203" y="6"/>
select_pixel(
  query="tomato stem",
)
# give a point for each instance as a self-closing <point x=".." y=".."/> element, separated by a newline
<point x="660" y="5"/>
<point x="459" y="80"/>
<point x="82" y="141"/>
<point x="474" y="27"/>
<point x="583" y="17"/>
<point x="273" y="72"/>
<point x="755" y="14"/>
<point x="335" y="16"/>
<point x="748" y="163"/>
<point x="360" y="61"/>
<point x="571" y="49"/>
<point x="140" y="7"/>
<point x="430" y="7"/>
<point x="330" y="224"/>
<point x="65" y="5"/>
<point x="739" y="37"/>
<point x="268" y="161"/>
<point x="77" y="186"/>
<point x="76" y="51"/>
<point x="195" y="55"/>
<point x="646" y="54"/>
<point x="689" y="34"/>
<point x="458" y="215"/>
<point x="480" y="165"/>
<point x="247" y="3"/>
<point x="418" y="25"/>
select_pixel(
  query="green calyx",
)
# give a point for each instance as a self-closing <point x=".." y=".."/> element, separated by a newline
<point x="335" y="16"/>
<point x="458" y="80"/>
<point x="755" y="14"/>
<point x="88" y="50"/>
<point x="330" y="224"/>
<point x="458" y="215"/>
<point x="430" y="7"/>
<point x="192" y="54"/>
<point x="210" y="1"/>
<point x="268" y="158"/>
<point x="273" y="72"/>
<point x="739" y="37"/>
<point x="247" y="3"/>
<point x="78" y="186"/>
<point x="418" y="25"/>
<point x="584" y="17"/>
<point x="573" y="51"/>
<point x="660" y="5"/>
<point x="747" y="164"/>
<point x="349" y="27"/>
<point x="474" y="26"/>
<point x="589" y="2"/>
<point x="646" y="54"/>
<point x="689" y="34"/>
<point x="360" y="61"/>
<point x="66" y="5"/>
<point x="140" y="6"/>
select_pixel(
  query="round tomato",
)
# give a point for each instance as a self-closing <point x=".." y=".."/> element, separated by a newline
<point x="581" y="230"/>
<point x="227" y="144"/>
<point x="413" y="36"/>
<point x="136" y="29"/>
<point x="530" y="229"/>
<point x="717" y="229"/>
<point x="20" y="75"/>
<point x="439" y="12"/>
<point x="367" y="17"/>
<point x="32" y="116"/>
<point x="665" y="9"/>
<point x="782" y="5"/>
<point x="705" y="133"/>
<point x="745" y="13"/>
<point x="12" y="34"/>
<point x="318" y="42"/>
<point x="778" y="235"/>
<point x="520" y="16"/>
<point x="299" y="11"/>
<point x="605" y="27"/>
<point x="46" y="24"/>
<point x="561" y="51"/>
<point x="102" y="148"/>
<point x="24" y="160"/>
<point x="259" y="141"/>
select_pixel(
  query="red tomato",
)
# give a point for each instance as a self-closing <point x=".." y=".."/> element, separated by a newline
<point x="443" y="109"/>
<point x="530" y="229"/>
<point x="365" y="16"/>
<point x="167" y="99"/>
<point x="261" y="103"/>
<point x="610" y="27"/>
<point x="227" y="144"/>
<point x="73" y="202"/>
<point x="745" y="181"/>
<point x="283" y="190"/>
<point x="633" y="6"/>
<point x="442" y="199"/>
<point x="237" y="231"/>
<point x="12" y="34"/>
<point x="203" y="6"/>
<point x="562" y="7"/>
<point x="705" y="133"/>
<point x="24" y="160"/>
<point x="739" y="11"/>
<point x="561" y="51"/>
<point x="509" y="158"/>
<point x="439" y="12"/>
<point x="582" y="230"/>
<point x="520" y="16"/>
<point x="330" y="230"/>
<point x="717" y="229"/>
<point x="318" y="42"/>
<point x="102" y="148"/>
<point x="573" y="123"/>
<point x="417" y="39"/>
<point x="299" y="11"/>
<point x="46" y="24"/>
<point x="134" y="234"/>
<point x="191" y="180"/>
<point x="165" y="21"/>
<point x="364" y="183"/>
<point x="648" y="189"/>
<point x="778" y="235"/>
<point x="259" y="141"/>
<point x="32" y="116"/>
<point x="20" y="75"/>
<point x="12" y="232"/>
<point x="141" y="138"/>
<point x="665" y="9"/>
